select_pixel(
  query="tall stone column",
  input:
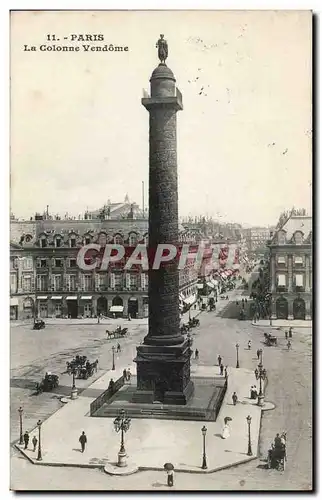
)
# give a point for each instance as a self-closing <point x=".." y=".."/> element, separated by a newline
<point x="273" y="274"/>
<point x="163" y="361"/>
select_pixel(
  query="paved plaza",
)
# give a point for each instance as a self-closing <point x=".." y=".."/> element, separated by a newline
<point x="289" y="387"/>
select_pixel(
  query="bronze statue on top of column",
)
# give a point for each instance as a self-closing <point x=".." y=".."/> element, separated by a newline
<point x="162" y="46"/>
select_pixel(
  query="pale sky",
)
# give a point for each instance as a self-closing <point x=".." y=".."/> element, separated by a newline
<point x="79" y="133"/>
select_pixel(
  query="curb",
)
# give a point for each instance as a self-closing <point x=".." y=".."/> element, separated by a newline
<point x="276" y="327"/>
<point x="137" y="468"/>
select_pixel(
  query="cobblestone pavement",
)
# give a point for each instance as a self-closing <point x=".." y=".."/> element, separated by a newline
<point x="289" y="387"/>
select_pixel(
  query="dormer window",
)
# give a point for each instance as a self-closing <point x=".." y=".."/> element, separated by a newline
<point x="58" y="242"/>
<point x="298" y="238"/>
<point x="87" y="240"/>
<point x="133" y="239"/>
<point x="118" y="240"/>
<point x="281" y="238"/>
<point x="43" y="242"/>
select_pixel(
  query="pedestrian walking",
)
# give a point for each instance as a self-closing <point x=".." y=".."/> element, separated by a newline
<point x="111" y="385"/>
<point x="234" y="398"/>
<point x="124" y="375"/>
<point x="245" y="301"/>
<point x="83" y="440"/>
<point x="34" y="442"/>
<point x="26" y="439"/>
<point x="195" y="306"/>
<point x="221" y="369"/>
<point x="196" y="354"/>
<point x="249" y="345"/>
<point x="170" y="477"/>
<point x="290" y="332"/>
<point x="226" y="372"/>
<point x="96" y="366"/>
<point x="258" y="353"/>
<point x="219" y="360"/>
<point x="286" y="334"/>
<point x="128" y="375"/>
<point x="129" y="318"/>
<point x="289" y="345"/>
<point x="118" y="348"/>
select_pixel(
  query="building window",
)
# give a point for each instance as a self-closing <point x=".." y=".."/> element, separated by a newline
<point x="58" y="263"/>
<point x="43" y="262"/>
<point x="133" y="239"/>
<point x="57" y="308"/>
<point x="118" y="281"/>
<point x="281" y="280"/>
<point x="87" y="282"/>
<point x="281" y="238"/>
<point x="26" y="283"/>
<point x="87" y="240"/>
<point x="281" y="259"/>
<point x="298" y="260"/>
<point x="71" y="283"/>
<point x="298" y="238"/>
<point x="299" y="280"/>
<point x="27" y="263"/>
<point x="13" y="283"/>
<point x="72" y="242"/>
<point x="43" y="242"/>
<point x="118" y="240"/>
<point x="72" y="262"/>
<point x="58" y="242"/>
<point x="57" y="282"/>
<point x="102" y="281"/>
<point x="42" y="283"/>
<point x="133" y="282"/>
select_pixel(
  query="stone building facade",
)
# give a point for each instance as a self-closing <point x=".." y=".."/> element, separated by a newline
<point x="290" y="262"/>
<point x="46" y="281"/>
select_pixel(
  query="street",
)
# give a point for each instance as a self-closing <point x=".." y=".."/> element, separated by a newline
<point x="289" y="387"/>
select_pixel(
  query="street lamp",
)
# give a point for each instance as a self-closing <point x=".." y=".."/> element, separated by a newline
<point x="260" y="373"/>
<point x="260" y="356"/>
<point x="74" y="388"/>
<point x="20" y="410"/>
<point x="249" y="452"/>
<point x="39" y="457"/>
<point x="122" y="423"/>
<point x="237" y="362"/>
<point x="204" y="458"/>
<point x="113" y="354"/>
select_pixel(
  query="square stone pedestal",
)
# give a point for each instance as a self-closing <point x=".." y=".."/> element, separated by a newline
<point x="163" y="374"/>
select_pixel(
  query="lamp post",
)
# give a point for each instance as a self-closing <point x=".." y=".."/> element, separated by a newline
<point x="39" y="457"/>
<point x="73" y="394"/>
<point x="189" y="314"/>
<point x="113" y="354"/>
<point x="249" y="452"/>
<point x="204" y="458"/>
<point x="20" y="410"/>
<point x="260" y="373"/>
<point x="122" y="423"/>
<point x="237" y="357"/>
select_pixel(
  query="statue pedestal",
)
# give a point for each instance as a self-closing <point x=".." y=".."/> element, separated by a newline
<point x="163" y="374"/>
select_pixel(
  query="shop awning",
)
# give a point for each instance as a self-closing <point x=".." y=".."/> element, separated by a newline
<point x="86" y="297"/>
<point x="13" y="301"/>
<point x="55" y="297"/>
<point x="116" y="309"/>
<point x="72" y="297"/>
<point x="42" y="297"/>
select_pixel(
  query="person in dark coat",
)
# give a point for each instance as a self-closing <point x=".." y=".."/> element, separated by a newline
<point x="83" y="440"/>
<point x="111" y="385"/>
<point x="124" y="374"/>
<point x="219" y="360"/>
<point x="226" y="372"/>
<point x="234" y="398"/>
<point x="258" y="353"/>
<point x="221" y="369"/>
<point x="26" y="439"/>
<point x="286" y="334"/>
<point x="290" y="332"/>
<point x="196" y="354"/>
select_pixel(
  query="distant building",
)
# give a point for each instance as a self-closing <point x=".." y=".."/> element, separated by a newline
<point x="256" y="238"/>
<point x="45" y="280"/>
<point x="290" y="257"/>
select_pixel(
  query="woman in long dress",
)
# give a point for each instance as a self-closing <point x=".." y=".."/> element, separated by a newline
<point x="225" y="432"/>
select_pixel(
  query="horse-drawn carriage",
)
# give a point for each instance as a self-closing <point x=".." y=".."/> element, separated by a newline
<point x="81" y="367"/>
<point x="48" y="383"/>
<point x="276" y="457"/>
<point x="116" y="334"/>
<point x="270" y="340"/>
<point x="38" y="324"/>
<point x="186" y="327"/>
